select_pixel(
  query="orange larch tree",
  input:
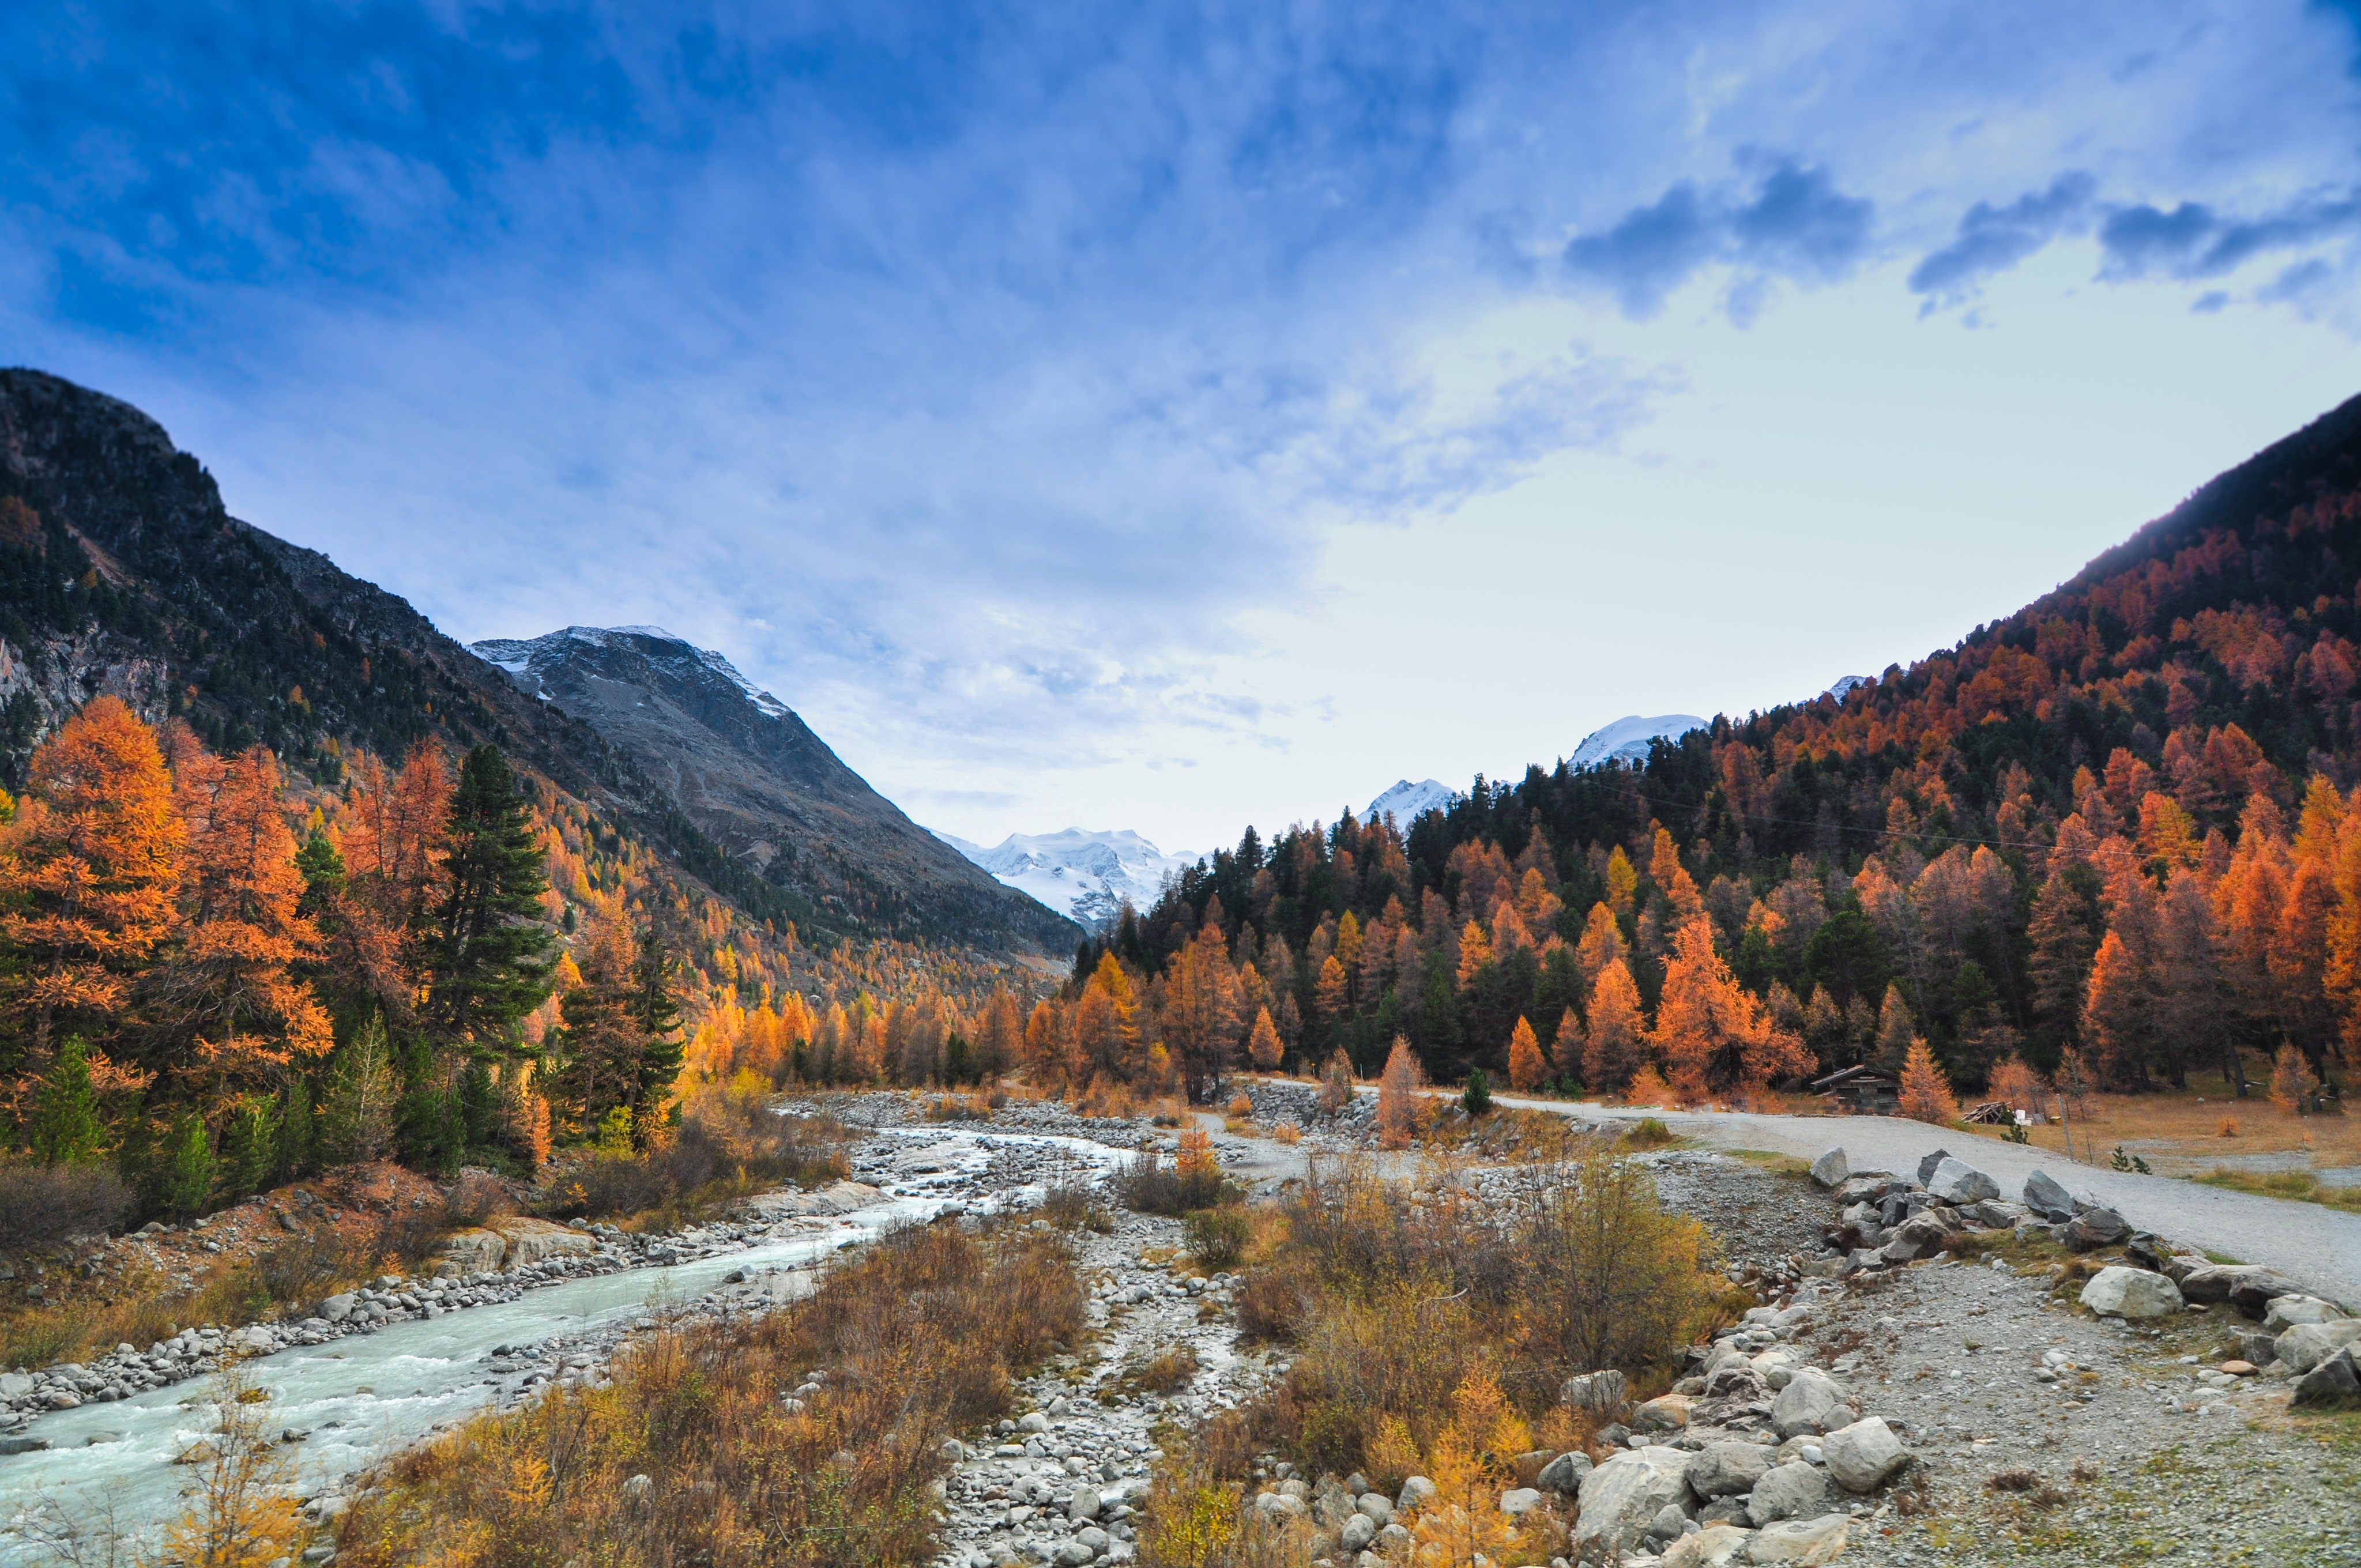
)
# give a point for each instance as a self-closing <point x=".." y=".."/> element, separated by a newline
<point x="1925" y="1094"/>
<point x="1615" y="1046"/>
<point x="1526" y="1068"/>
<point x="1715" y="1037"/>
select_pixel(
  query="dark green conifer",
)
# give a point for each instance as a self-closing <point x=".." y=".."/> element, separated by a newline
<point x="65" y="1128"/>
<point x="488" y="952"/>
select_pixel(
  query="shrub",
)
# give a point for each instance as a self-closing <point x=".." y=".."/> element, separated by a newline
<point x="918" y="1338"/>
<point x="1164" y="1372"/>
<point x="1150" y="1187"/>
<point x="1287" y="1133"/>
<point x="476" y="1197"/>
<point x="1648" y="1133"/>
<point x="2229" y="1128"/>
<point x="1217" y="1237"/>
<point x="726" y="1149"/>
<point x="1070" y="1206"/>
<point x="1476" y="1098"/>
<point x="46" y="1205"/>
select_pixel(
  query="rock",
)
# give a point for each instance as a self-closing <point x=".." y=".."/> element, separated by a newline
<point x="1805" y="1542"/>
<point x="478" y="1251"/>
<point x="639" y="1485"/>
<point x="1811" y="1402"/>
<point x="1666" y="1412"/>
<point x="1792" y="1490"/>
<point x="1714" y="1546"/>
<point x="2132" y="1293"/>
<point x="1831" y="1168"/>
<point x="1379" y="1511"/>
<point x="1919" y="1236"/>
<point x="1519" y="1501"/>
<point x="1727" y="1469"/>
<point x="2094" y="1229"/>
<point x="1073" y="1555"/>
<point x="1597" y="1391"/>
<point x="2306" y="1345"/>
<point x="2335" y="1381"/>
<point x="1358" y="1531"/>
<point x="337" y="1309"/>
<point x="1930" y="1165"/>
<point x="1563" y="1474"/>
<point x="2047" y="1198"/>
<point x="1085" y="1506"/>
<point x="198" y="1453"/>
<point x="528" y="1241"/>
<point x="2286" y="1311"/>
<point x="15" y="1384"/>
<point x="1033" y="1421"/>
<point x="1414" y="1491"/>
<point x="2254" y="1291"/>
<point x="1331" y="1504"/>
<point x="2238" y="1369"/>
<point x="1864" y="1455"/>
<point x="20" y="1443"/>
<point x="1958" y="1183"/>
<point x="1621" y="1499"/>
<point x="1671" y="1521"/>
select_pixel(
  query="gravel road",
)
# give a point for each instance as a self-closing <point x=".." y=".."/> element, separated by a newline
<point x="2319" y="1246"/>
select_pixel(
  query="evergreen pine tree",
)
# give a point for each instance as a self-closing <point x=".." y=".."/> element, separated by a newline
<point x="64" y="1128"/>
<point x="426" y="1119"/>
<point x="188" y="1174"/>
<point x="657" y="1012"/>
<point x="1476" y="1098"/>
<point x="362" y="1091"/>
<point x="299" y="1131"/>
<point x="323" y="866"/>
<point x="249" y="1152"/>
<point x="487" y="953"/>
<point x="479" y="1105"/>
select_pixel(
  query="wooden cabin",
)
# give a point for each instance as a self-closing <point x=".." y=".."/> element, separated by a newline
<point x="1862" y="1090"/>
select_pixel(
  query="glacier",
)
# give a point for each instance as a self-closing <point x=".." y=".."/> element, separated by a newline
<point x="1626" y="739"/>
<point x="1084" y="875"/>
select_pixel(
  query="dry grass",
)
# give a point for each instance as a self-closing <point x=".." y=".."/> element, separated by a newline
<point x="2301" y="1186"/>
<point x="2182" y="1134"/>
<point x="917" y="1339"/>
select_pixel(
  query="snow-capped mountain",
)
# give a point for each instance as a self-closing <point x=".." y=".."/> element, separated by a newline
<point x="1085" y="876"/>
<point x="1407" y="800"/>
<point x="1626" y="739"/>
<point x="1845" y="685"/>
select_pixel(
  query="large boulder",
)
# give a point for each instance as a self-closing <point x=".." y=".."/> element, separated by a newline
<point x="1598" y="1392"/>
<point x="1864" y="1455"/>
<point x="1622" y="1497"/>
<point x="476" y="1251"/>
<point x="1789" y="1491"/>
<point x="529" y="1241"/>
<point x="1666" y="1412"/>
<point x="1728" y="1469"/>
<point x="2133" y="1293"/>
<point x="1958" y="1183"/>
<point x="2097" y="1228"/>
<point x="2306" y="1345"/>
<point x="1831" y="1168"/>
<point x="1802" y="1543"/>
<point x="2286" y="1311"/>
<point x="1931" y="1164"/>
<point x="1919" y="1236"/>
<point x="1811" y="1402"/>
<point x="2047" y="1198"/>
<point x="1714" y="1546"/>
<point x="1563" y="1474"/>
<point x="2254" y="1291"/>
<point x="2335" y="1381"/>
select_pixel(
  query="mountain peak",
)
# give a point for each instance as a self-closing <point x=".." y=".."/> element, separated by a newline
<point x="1408" y="801"/>
<point x="1626" y="739"/>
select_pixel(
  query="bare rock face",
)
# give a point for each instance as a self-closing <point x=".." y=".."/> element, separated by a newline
<point x="529" y="1240"/>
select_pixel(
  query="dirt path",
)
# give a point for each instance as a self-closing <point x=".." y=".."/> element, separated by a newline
<point x="2319" y="1246"/>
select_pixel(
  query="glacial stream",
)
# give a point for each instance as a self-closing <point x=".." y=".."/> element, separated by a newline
<point x="109" y="1467"/>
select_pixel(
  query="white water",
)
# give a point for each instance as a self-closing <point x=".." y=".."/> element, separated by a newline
<point x="419" y="1376"/>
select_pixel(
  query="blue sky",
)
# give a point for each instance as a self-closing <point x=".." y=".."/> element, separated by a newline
<point x="1172" y="418"/>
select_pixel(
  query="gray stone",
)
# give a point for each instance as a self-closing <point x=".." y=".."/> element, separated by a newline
<point x="2132" y="1293"/>
<point x="2286" y="1311"/>
<point x="1598" y="1391"/>
<point x="1811" y="1402"/>
<point x="1563" y="1474"/>
<point x="2046" y="1197"/>
<point x="1033" y="1421"/>
<point x="1672" y="1522"/>
<point x="2254" y="1291"/>
<point x="1932" y="1163"/>
<point x="1666" y="1412"/>
<point x="1727" y="1469"/>
<point x="1803" y="1542"/>
<point x="1086" y="1505"/>
<point x="15" y="1384"/>
<point x="337" y="1309"/>
<point x="20" y="1443"/>
<point x="1792" y="1490"/>
<point x="1358" y="1531"/>
<point x="1374" y="1506"/>
<point x="1831" y="1168"/>
<point x="1919" y="1236"/>
<point x="1094" y="1538"/>
<point x="1719" y="1545"/>
<point x="1331" y="1504"/>
<point x="1074" y="1554"/>
<point x="1958" y="1183"/>
<point x="1864" y="1455"/>
<point x="2306" y="1345"/>
<point x="1414" y="1491"/>
<point x="2093" y="1229"/>
<point x="1622" y="1497"/>
<point x="1519" y="1501"/>
<point x="2335" y="1381"/>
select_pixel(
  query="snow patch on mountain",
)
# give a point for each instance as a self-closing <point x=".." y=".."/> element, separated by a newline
<point x="1626" y="739"/>
<point x="1845" y="684"/>
<point x="1407" y="801"/>
<point x="1086" y="876"/>
<point x="520" y="655"/>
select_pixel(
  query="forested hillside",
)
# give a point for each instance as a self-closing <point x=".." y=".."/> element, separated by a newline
<point x="2118" y="828"/>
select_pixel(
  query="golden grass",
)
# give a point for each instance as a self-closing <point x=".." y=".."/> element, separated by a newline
<point x="2181" y="1134"/>
<point x="2301" y="1186"/>
<point x="914" y="1339"/>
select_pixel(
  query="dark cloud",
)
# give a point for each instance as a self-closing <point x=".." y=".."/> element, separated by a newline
<point x="1994" y="239"/>
<point x="2193" y="240"/>
<point x="1792" y="224"/>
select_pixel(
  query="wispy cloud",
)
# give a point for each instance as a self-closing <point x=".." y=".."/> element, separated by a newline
<point x="1994" y="239"/>
<point x="1791" y="222"/>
